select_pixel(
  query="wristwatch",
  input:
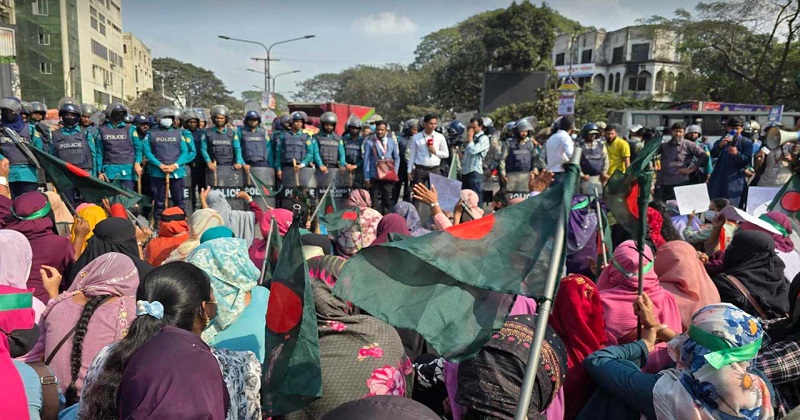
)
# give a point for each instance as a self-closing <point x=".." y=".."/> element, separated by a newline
<point x="3" y="181"/>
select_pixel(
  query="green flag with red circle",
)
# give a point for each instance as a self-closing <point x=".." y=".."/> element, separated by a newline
<point x="292" y="374"/>
<point x="787" y="201"/>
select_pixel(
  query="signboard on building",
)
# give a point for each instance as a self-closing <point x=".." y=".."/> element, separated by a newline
<point x="578" y="70"/>
<point x="267" y="100"/>
<point x="775" y="114"/>
<point x="566" y="99"/>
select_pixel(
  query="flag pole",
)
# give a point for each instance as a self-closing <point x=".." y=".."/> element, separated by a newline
<point x="543" y="309"/>
<point x="257" y="184"/>
<point x="600" y="226"/>
<point x="644" y="181"/>
<point x="322" y="200"/>
<point x="266" y="251"/>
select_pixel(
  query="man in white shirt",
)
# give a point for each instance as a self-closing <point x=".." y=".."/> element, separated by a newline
<point x="426" y="151"/>
<point x="559" y="147"/>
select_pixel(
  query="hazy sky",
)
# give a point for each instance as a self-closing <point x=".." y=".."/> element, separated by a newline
<point x="347" y="32"/>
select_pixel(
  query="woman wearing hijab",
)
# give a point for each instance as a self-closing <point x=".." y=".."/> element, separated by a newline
<point x="618" y="287"/>
<point x="361" y="233"/>
<point x="582" y="237"/>
<point x="241" y="305"/>
<point x="784" y="246"/>
<point x="577" y="318"/>
<point x="31" y="216"/>
<point x="283" y="219"/>
<point x="381" y="407"/>
<point x="242" y="223"/>
<point x="489" y="384"/>
<point x="751" y="260"/>
<point x="174" y="305"/>
<point x="407" y="210"/>
<point x="111" y="235"/>
<point x="466" y="209"/>
<point x="715" y="376"/>
<point x="95" y="311"/>
<point x="682" y="274"/>
<point x="15" y="265"/>
<point x="200" y="221"/>
<point x="172" y="232"/>
<point x="92" y="214"/>
<point x="361" y="356"/>
<point x="391" y="223"/>
<point x="63" y="218"/>
<point x="780" y="351"/>
<point x="15" y="314"/>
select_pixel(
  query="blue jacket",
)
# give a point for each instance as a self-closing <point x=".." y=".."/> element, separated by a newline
<point x="184" y="159"/>
<point x="728" y="178"/>
<point x="26" y="173"/>
<point x="372" y="154"/>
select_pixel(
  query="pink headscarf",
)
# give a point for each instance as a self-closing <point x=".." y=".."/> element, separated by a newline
<point x="14" y="403"/>
<point x="782" y="243"/>
<point x="470" y="198"/>
<point x="359" y="198"/>
<point x="682" y="274"/>
<point x="618" y="291"/>
<point x="15" y="264"/>
<point x="283" y="218"/>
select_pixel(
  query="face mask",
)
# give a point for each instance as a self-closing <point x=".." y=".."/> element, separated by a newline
<point x="709" y="215"/>
<point x="372" y="127"/>
<point x="165" y="122"/>
<point x="574" y="136"/>
<point x="9" y="117"/>
<point x="69" y="121"/>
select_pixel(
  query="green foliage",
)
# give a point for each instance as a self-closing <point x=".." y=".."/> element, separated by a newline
<point x="147" y="102"/>
<point x="191" y="86"/>
<point x="281" y="103"/>
<point x="545" y="109"/>
<point x="592" y="106"/>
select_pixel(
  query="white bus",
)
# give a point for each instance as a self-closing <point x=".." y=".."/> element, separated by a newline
<point x="712" y="122"/>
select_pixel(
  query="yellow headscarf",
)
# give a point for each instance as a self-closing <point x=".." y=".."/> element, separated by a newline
<point x="93" y="214"/>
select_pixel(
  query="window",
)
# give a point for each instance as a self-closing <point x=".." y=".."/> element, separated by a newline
<point x="137" y="75"/>
<point x="616" y="56"/>
<point x="102" y="29"/>
<point x="586" y="56"/>
<point x="616" y="83"/>
<point x="611" y="82"/>
<point x="40" y="8"/>
<point x="638" y="83"/>
<point x="560" y="59"/>
<point x="101" y="98"/>
<point x="44" y="39"/>
<point x="125" y="49"/>
<point x="94" y="24"/>
<point x="102" y="19"/>
<point x="92" y="11"/>
<point x="640" y="52"/>
<point x="99" y="49"/>
<point x="46" y="68"/>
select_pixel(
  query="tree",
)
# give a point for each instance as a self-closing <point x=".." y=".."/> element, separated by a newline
<point x="320" y="88"/>
<point x="189" y="85"/>
<point x="545" y="109"/>
<point x="591" y="106"/>
<point x="738" y="51"/>
<point x="281" y="103"/>
<point x="148" y="102"/>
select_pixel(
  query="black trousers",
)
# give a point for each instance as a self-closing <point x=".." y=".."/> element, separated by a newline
<point x="667" y="192"/>
<point x="384" y="189"/>
<point x="198" y="183"/>
<point x="403" y="175"/>
<point x="422" y="175"/>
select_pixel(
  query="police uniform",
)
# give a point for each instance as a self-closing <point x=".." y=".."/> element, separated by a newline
<point x="296" y="146"/>
<point x="222" y="146"/>
<point x="354" y="155"/>
<point x="331" y="150"/>
<point x="76" y="146"/>
<point x="256" y="147"/>
<point x="118" y="148"/>
<point x="167" y="146"/>
<point x="198" y="165"/>
<point x="22" y="176"/>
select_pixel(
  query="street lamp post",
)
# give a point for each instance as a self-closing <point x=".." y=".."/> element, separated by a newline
<point x="282" y="74"/>
<point x="267" y="49"/>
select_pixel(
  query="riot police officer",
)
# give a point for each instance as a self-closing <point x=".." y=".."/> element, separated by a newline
<point x="296" y="148"/>
<point x="87" y="110"/>
<point x="222" y="146"/>
<point x="354" y="151"/>
<point x="22" y="176"/>
<point x="519" y="153"/>
<point x="26" y="111"/>
<point x="331" y="147"/>
<point x="191" y="122"/>
<point x="594" y="160"/>
<point x="142" y="125"/>
<point x="257" y="147"/>
<point x="178" y="118"/>
<point x="73" y="144"/>
<point x="408" y="130"/>
<point x="119" y="148"/>
<point x="38" y="114"/>
<point x="167" y="151"/>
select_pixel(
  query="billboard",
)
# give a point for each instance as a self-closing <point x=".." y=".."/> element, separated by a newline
<point x="502" y="88"/>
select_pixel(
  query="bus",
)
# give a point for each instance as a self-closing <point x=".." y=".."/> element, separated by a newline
<point x="711" y="122"/>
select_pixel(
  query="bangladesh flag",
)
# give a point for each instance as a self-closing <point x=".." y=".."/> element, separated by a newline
<point x="455" y="287"/>
<point x="292" y="370"/>
<point x="788" y="201"/>
<point x="272" y="251"/>
<point x="129" y="202"/>
<point x="67" y="176"/>
<point x="263" y="187"/>
<point x="622" y="190"/>
<point x="339" y="220"/>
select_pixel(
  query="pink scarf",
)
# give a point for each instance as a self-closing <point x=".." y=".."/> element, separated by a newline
<point x="14" y="403"/>
<point x="618" y="291"/>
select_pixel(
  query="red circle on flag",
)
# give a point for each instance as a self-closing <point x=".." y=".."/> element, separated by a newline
<point x="475" y="229"/>
<point x="791" y="201"/>
<point x="284" y="310"/>
<point x="77" y="171"/>
<point x="632" y="200"/>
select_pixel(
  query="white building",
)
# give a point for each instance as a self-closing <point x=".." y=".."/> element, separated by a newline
<point x="138" y="67"/>
<point x="101" y="50"/>
<point x="637" y="60"/>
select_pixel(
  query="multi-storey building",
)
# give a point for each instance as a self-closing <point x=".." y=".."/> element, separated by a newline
<point x="138" y="66"/>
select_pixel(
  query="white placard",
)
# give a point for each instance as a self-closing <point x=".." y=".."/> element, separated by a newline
<point x="756" y="196"/>
<point x="692" y="198"/>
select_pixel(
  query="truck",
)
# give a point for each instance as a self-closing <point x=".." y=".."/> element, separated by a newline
<point x="342" y="111"/>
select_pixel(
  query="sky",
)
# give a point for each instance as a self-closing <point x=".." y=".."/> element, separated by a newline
<point x="348" y="33"/>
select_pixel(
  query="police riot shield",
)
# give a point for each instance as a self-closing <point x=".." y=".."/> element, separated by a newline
<point x="517" y="186"/>
<point x="305" y="177"/>
<point x="68" y="100"/>
<point x="187" y="190"/>
<point x="252" y="106"/>
<point x="230" y="181"/>
<point x="256" y="177"/>
<point x="98" y="118"/>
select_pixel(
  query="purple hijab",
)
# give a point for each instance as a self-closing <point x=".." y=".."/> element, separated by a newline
<point x="582" y="224"/>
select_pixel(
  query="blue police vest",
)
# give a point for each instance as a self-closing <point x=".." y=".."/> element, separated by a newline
<point x="592" y="160"/>
<point x="166" y="145"/>
<point x="11" y="151"/>
<point x="294" y="147"/>
<point x="220" y="146"/>
<point x="255" y="146"/>
<point x="73" y="148"/>
<point x="352" y="150"/>
<point x="329" y="148"/>
<point x="117" y="146"/>
<point x="519" y="156"/>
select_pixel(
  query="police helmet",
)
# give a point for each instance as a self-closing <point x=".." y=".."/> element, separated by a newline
<point x="286" y="120"/>
<point x="38" y="107"/>
<point x="11" y="104"/>
<point x="276" y="124"/>
<point x="590" y="128"/>
<point x="252" y="115"/>
<point x="694" y="128"/>
<point x="456" y="129"/>
<point x="532" y="121"/>
<point x="178" y="112"/>
<point x="219" y="110"/>
<point x="128" y="118"/>
<point x="26" y="108"/>
<point x="116" y="109"/>
<point x="87" y="110"/>
<point x="509" y="127"/>
<point x="298" y="116"/>
<point x="523" y="125"/>
<point x="328" y="118"/>
<point x="152" y="120"/>
<point x="69" y="108"/>
<point x="140" y="119"/>
<point x="635" y="128"/>
<point x="487" y="123"/>
<point x="191" y="114"/>
<point x="355" y="124"/>
<point x="165" y="112"/>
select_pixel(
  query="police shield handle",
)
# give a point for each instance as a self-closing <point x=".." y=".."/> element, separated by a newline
<point x="296" y="172"/>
